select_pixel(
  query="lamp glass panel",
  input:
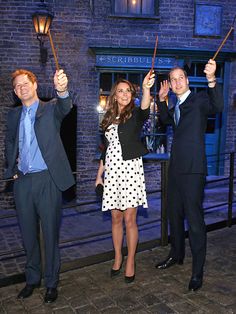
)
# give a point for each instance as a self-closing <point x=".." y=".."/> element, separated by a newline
<point x="42" y="23"/>
<point x="48" y="23"/>
<point x="36" y="26"/>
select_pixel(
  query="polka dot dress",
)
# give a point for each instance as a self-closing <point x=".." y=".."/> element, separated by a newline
<point x="124" y="185"/>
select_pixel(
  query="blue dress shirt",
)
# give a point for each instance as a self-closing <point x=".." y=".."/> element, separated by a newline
<point x="37" y="162"/>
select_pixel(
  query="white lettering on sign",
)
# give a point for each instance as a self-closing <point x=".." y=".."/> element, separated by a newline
<point x="137" y="61"/>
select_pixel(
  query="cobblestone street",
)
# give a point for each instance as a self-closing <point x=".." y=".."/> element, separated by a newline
<point x="91" y="290"/>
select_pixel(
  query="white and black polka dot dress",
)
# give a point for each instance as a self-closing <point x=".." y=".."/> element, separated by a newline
<point x="124" y="185"/>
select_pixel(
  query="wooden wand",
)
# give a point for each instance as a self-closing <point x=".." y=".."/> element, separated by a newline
<point x="53" y="50"/>
<point x="224" y="40"/>
<point x="154" y="55"/>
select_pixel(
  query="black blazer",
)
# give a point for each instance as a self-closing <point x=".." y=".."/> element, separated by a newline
<point x="47" y="125"/>
<point x="188" y="146"/>
<point x="129" y="135"/>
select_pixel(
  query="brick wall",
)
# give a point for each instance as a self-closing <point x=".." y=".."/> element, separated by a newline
<point x="75" y="28"/>
<point x="231" y="116"/>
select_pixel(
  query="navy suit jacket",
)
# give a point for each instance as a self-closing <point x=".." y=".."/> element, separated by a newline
<point x="47" y="125"/>
<point x="188" y="146"/>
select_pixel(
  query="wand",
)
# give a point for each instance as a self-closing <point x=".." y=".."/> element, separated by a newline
<point x="53" y="50"/>
<point x="224" y="40"/>
<point x="154" y="55"/>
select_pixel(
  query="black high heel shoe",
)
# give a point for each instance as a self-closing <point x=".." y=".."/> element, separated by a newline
<point x="116" y="272"/>
<point x="129" y="279"/>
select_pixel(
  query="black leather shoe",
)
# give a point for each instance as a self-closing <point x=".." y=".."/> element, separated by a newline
<point x="50" y="295"/>
<point x="170" y="261"/>
<point x="27" y="291"/>
<point x="195" y="283"/>
<point x="116" y="272"/>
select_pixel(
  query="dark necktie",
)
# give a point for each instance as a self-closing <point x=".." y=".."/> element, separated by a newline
<point x="177" y="112"/>
<point x="25" y="153"/>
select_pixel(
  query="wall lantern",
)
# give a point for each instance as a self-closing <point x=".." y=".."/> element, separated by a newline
<point x="42" y="20"/>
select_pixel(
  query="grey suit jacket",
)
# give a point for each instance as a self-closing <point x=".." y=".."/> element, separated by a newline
<point x="48" y="120"/>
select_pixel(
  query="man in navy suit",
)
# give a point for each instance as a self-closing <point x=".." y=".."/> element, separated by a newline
<point x="38" y="163"/>
<point x="188" y="165"/>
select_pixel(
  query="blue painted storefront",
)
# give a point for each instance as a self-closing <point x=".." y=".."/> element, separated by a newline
<point x="140" y="60"/>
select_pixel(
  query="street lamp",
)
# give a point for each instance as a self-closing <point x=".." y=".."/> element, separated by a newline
<point x="42" y="20"/>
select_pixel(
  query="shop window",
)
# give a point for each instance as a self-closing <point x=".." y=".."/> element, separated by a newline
<point x="154" y="133"/>
<point x="135" y="7"/>
<point x="105" y="81"/>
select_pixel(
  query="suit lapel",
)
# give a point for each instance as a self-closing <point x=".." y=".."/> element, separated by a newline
<point x="40" y="110"/>
<point x="187" y="100"/>
<point x="16" y="121"/>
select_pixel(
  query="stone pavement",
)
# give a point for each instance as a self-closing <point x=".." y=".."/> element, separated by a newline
<point x="86" y="231"/>
<point x="91" y="290"/>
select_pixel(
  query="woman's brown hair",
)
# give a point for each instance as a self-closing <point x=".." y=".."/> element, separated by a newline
<point x="112" y="106"/>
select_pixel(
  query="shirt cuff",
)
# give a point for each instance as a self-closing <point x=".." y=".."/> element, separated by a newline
<point x="64" y="96"/>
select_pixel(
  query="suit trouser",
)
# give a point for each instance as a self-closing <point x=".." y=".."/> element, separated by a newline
<point x="38" y="198"/>
<point x="185" y="196"/>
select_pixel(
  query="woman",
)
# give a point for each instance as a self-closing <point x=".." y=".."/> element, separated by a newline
<point x="124" y="186"/>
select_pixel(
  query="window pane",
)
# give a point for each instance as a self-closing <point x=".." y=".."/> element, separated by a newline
<point x="200" y="69"/>
<point x="148" y="7"/>
<point x="190" y="69"/>
<point x="134" y="78"/>
<point x="105" y="82"/>
<point x="118" y="76"/>
<point x="121" y="6"/>
<point x="219" y="72"/>
<point x="135" y="6"/>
